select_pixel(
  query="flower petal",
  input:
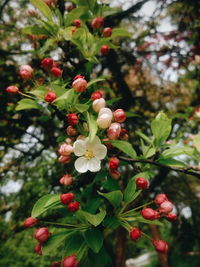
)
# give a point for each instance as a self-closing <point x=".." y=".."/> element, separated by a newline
<point x="100" y="151"/>
<point x="81" y="164"/>
<point x="79" y="147"/>
<point x="94" y="165"/>
<point x="90" y="145"/>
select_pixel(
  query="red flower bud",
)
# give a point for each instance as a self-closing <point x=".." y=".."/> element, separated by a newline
<point x="107" y="32"/>
<point x="56" y="72"/>
<point x="160" y="245"/>
<point x="42" y="234"/>
<point x="114" y="174"/>
<point x="64" y="159"/>
<point x="38" y="249"/>
<point x="72" y="119"/>
<point x="149" y="214"/>
<point x="67" y="198"/>
<point x="25" y="72"/>
<point x="171" y="217"/>
<point x="119" y="115"/>
<point x="77" y="23"/>
<point x="12" y="89"/>
<point x="30" y="222"/>
<point x="50" y="97"/>
<point x="79" y="84"/>
<point x="73" y="206"/>
<point x="47" y="63"/>
<point x="142" y="183"/>
<point x="70" y="261"/>
<point x="97" y="23"/>
<point x="96" y="95"/>
<point x="71" y="131"/>
<point x="113" y="163"/>
<point x="65" y="149"/>
<point x="166" y="207"/>
<point x="160" y="199"/>
<point x="105" y="49"/>
<point x="135" y="234"/>
<point x="114" y="131"/>
<point x="66" y="180"/>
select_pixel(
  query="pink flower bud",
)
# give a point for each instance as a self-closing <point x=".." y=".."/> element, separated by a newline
<point x="119" y="115"/>
<point x="98" y="104"/>
<point x="77" y="23"/>
<point x="142" y="183"/>
<point x="104" y="121"/>
<point x="96" y="95"/>
<point x="105" y="111"/>
<point x="79" y="84"/>
<point x="166" y="207"/>
<point x="70" y="261"/>
<point x="72" y="119"/>
<point x="160" y="199"/>
<point x="67" y="198"/>
<point x="69" y="7"/>
<point x="171" y="217"/>
<point x="25" y="72"/>
<point x="12" y="89"/>
<point x="114" y="174"/>
<point x="71" y="131"/>
<point x="30" y="222"/>
<point x="105" y="49"/>
<point x="97" y="23"/>
<point x="135" y="234"/>
<point x="113" y="163"/>
<point x="64" y="159"/>
<point x="42" y="234"/>
<point x="160" y="245"/>
<point x="50" y="97"/>
<point x="107" y="32"/>
<point x="149" y="214"/>
<point x="73" y="206"/>
<point x="65" y="149"/>
<point x="56" y="72"/>
<point x="66" y="180"/>
<point x="38" y="249"/>
<point x="47" y="63"/>
<point x="114" y="131"/>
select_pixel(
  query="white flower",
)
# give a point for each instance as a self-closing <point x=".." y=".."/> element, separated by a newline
<point x="90" y="154"/>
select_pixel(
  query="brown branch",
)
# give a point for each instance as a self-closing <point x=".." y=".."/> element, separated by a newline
<point x="185" y="170"/>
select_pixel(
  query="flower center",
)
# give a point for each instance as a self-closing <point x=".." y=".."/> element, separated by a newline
<point x="89" y="154"/>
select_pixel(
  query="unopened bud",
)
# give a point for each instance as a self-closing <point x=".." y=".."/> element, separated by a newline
<point x="119" y="115"/>
<point x="66" y="180"/>
<point x="30" y="222"/>
<point x="160" y="245"/>
<point x="114" y="130"/>
<point x="65" y="149"/>
<point x="160" y="198"/>
<point x="98" y="104"/>
<point x="42" y="234"/>
<point x="135" y="234"/>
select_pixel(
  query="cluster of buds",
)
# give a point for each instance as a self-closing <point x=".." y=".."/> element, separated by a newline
<point x="67" y="199"/>
<point x="142" y="183"/>
<point x="113" y="166"/>
<point x="65" y="151"/>
<point x="41" y="235"/>
<point x="50" y="65"/>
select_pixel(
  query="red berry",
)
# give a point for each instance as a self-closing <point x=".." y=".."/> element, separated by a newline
<point x="67" y="198"/>
<point x="70" y="261"/>
<point x="105" y="49"/>
<point x="107" y="32"/>
<point x="50" y="97"/>
<point x="113" y="163"/>
<point x="171" y="217"/>
<point x="96" y="95"/>
<point x="56" y="72"/>
<point x="142" y="183"/>
<point x="42" y="234"/>
<point x="160" y="199"/>
<point x="166" y="207"/>
<point x="12" y="89"/>
<point x="47" y="63"/>
<point x="77" y="23"/>
<point x="135" y="234"/>
<point x="72" y="119"/>
<point x="160" y="245"/>
<point x="30" y="222"/>
<point x="79" y="84"/>
<point x="97" y="23"/>
<point x="66" y="180"/>
<point x="119" y="115"/>
<point x="73" y="206"/>
<point x="150" y="214"/>
<point x="38" y="249"/>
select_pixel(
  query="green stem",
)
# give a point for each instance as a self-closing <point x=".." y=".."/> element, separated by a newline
<point x="137" y="208"/>
<point x="26" y="95"/>
<point x="63" y="224"/>
<point x="147" y="236"/>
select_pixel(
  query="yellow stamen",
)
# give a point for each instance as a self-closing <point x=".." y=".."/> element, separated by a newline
<point x="89" y="154"/>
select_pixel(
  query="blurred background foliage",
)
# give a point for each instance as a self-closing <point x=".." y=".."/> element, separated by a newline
<point x="158" y="68"/>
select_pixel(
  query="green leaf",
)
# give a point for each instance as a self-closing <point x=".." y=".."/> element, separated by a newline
<point x="171" y="162"/>
<point x="65" y="99"/>
<point x="142" y="220"/>
<point x="196" y="141"/>
<point x="114" y="197"/>
<point x="111" y="222"/>
<point x="95" y="81"/>
<point x="120" y="32"/>
<point x="101" y="259"/>
<point x="94" y="219"/>
<point x="130" y="190"/>
<point x="92" y="124"/>
<point x="54" y="241"/>
<point x="44" y="203"/>
<point x="94" y="239"/>
<point x="36" y="30"/>
<point x="39" y="92"/>
<point x="27" y="104"/>
<point x="161" y="128"/>
<point x="43" y="8"/>
<point x="176" y="151"/>
<point x="146" y="138"/>
<point x="125" y="147"/>
<point x="81" y="107"/>
<point x="75" y="13"/>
